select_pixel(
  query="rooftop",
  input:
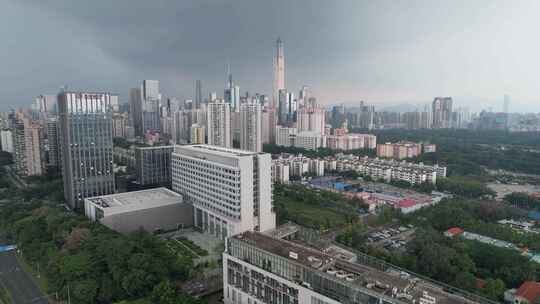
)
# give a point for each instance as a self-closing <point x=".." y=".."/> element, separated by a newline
<point x="229" y="152"/>
<point x="361" y="274"/>
<point x="529" y="291"/>
<point x="136" y="200"/>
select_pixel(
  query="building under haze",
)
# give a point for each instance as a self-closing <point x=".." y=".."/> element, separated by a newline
<point x="230" y="189"/>
<point x="28" y="156"/>
<point x="219" y="124"/>
<point x="86" y="145"/>
<point x="145" y="107"/>
<point x="442" y="112"/>
<point x="53" y="152"/>
<point x="279" y="72"/>
<point x="197" y="134"/>
<point x="250" y="127"/>
<point x="6" y="137"/>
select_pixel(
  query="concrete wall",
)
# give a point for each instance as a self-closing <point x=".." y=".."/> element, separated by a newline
<point x="163" y="217"/>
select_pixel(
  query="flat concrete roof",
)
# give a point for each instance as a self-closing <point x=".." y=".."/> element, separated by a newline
<point x="135" y="200"/>
<point x="217" y="150"/>
<point x="358" y="273"/>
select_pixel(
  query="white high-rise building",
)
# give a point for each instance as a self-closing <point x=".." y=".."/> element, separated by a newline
<point x="45" y="104"/>
<point x="230" y="189"/>
<point x="250" y="127"/>
<point x="6" y="139"/>
<point x="311" y="119"/>
<point x="265" y="130"/>
<point x="219" y="124"/>
<point x="284" y="136"/>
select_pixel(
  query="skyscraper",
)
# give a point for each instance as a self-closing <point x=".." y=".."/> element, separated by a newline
<point x="219" y="124"/>
<point x="442" y="112"/>
<point x="311" y="119"/>
<point x="250" y="127"/>
<point x="53" y="153"/>
<point x="232" y="93"/>
<point x="28" y="156"/>
<point x="279" y="72"/>
<point x="198" y="94"/>
<point x="136" y="109"/>
<point x="150" y="110"/>
<point x="86" y="145"/>
<point x="506" y="103"/>
<point x="287" y="107"/>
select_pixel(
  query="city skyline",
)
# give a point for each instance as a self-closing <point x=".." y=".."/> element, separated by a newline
<point x="458" y="49"/>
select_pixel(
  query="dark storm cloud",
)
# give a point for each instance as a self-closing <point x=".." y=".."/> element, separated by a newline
<point x="345" y="50"/>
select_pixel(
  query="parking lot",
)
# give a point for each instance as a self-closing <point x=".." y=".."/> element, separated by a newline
<point x="391" y="238"/>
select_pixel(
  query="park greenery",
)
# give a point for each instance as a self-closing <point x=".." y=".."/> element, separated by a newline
<point x="88" y="260"/>
<point x="457" y="261"/>
<point x="467" y="152"/>
<point x="319" y="153"/>
<point x="313" y="208"/>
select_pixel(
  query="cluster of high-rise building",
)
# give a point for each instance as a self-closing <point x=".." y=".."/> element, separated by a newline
<point x="208" y="152"/>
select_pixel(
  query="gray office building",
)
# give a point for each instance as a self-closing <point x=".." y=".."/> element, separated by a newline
<point x="144" y="107"/>
<point x="53" y="154"/>
<point x="153" y="165"/>
<point x="85" y="139"/>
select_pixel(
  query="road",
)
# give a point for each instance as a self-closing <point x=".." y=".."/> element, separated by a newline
<point x="21" y="287"/>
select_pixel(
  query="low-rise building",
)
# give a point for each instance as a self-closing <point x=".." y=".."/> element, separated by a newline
<point x="527" y="293"/>
<point x="351" y="141"/>
<point x="151" y="210"/>
<point x="454" y="231"/>
<point x="388" y="170"/>
<point x="297" y="166"/>
<point x="280" y="173"/>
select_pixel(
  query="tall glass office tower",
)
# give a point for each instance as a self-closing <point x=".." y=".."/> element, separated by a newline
<point x="86" y="145"/>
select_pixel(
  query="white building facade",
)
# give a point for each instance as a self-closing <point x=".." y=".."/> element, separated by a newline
<point x="219" y="124"/>
<point x="230" y="189"/>
<point x="6" y="138"/>
<point x="250" y="127"/>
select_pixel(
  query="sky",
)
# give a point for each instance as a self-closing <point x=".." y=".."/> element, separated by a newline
<point x="383" y="52"/>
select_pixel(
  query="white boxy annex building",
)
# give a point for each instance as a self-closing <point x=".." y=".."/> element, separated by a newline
<point x="230" y="189"/>
<point x="152" y="209"/>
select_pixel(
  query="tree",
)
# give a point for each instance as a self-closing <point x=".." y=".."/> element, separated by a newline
<point x="164" y="293"/>
<point x="494" y="289"/>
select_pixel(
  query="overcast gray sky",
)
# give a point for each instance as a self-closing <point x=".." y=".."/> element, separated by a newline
<point x="384" y="52"/>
